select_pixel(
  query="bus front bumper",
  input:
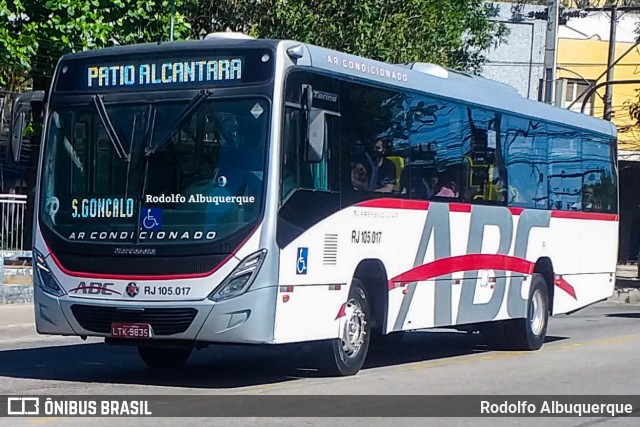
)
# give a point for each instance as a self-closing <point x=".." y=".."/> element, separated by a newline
<point x="246" y="319"/>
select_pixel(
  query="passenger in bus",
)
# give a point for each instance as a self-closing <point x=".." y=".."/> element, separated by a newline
<point x="433" y="186"/>
<point x="359" y="176"/>
<point x="419" y="187"/>
<point x="384" y="173"/>
<point x="448" y="189"/>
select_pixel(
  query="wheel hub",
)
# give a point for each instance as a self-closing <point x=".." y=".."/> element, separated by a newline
<point x="354" y="328"/>
<point x="536" y="313"/>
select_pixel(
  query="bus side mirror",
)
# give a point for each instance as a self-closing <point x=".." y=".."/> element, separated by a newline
<point x="315" y="136"/>
<point x="314" y="127"/>
<point x="17" y="128"/>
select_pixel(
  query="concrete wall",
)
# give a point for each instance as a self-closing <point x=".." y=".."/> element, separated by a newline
<point x="596" y="25"/>
<point x="518" y="61"/>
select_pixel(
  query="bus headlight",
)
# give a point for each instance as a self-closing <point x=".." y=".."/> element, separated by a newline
<point x="239" y="280"/>
<point x="43" y="277"/>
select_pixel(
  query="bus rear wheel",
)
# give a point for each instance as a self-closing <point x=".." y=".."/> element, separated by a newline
<point x="529" y="332"/>
<point x="158" y="357"/>
<point x="346" y="355"/>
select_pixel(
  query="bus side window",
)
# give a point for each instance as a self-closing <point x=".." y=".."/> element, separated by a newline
<point x="290" y="152"/>
<point x="525" y="152"/>
<point x="565" y="168"/>
<point x="435" y="164"/>
<point x="297" y="173"/>
<point x="599" y="175"/>
<point x="372" y="149"/>
<point x="487" y="177"/>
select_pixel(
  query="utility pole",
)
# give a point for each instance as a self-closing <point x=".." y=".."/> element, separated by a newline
<point x="550" y="49"/>
<point x="173" y="12"/>
<point x="612" y="53"/>
<point x="613" y="9"/>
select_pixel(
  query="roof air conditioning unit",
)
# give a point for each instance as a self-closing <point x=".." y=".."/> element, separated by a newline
<point x="231" y="35"/>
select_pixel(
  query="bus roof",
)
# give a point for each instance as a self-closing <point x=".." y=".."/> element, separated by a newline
<point x="171" y="47"/>
<point x="455" y="86"/>
<point x="450" y="84"/>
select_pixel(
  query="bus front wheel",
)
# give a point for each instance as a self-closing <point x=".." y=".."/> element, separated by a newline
<point x="157" y="357"/>
<point x="346" y="355"/>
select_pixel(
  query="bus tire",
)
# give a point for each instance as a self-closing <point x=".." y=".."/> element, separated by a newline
<point x="158" y="357"/>
<point x="529" y="333"/>
<point x="345" y="356"/>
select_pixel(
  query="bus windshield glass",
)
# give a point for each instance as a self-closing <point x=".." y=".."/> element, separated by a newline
<point x="154" y="172"/>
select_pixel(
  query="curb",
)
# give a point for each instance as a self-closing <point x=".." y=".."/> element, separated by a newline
<point x="625" y="296"/>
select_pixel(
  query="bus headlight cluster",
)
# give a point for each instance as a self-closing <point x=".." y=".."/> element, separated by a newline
<point x="239" y="280"/>
<point x="43" y="277"/>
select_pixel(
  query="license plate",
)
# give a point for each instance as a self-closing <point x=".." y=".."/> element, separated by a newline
<point x="131" y="330"/>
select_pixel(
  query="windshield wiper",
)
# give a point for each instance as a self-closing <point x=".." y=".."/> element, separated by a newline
<point x="108" y="126"/>
<point x="148" y="135"/>
<point x="180" y="120"/>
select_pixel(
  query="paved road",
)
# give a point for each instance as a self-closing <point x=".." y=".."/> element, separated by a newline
<point x="594" y="351"/>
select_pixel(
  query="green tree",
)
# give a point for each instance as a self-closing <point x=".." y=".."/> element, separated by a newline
<point x="35" y="33"/>
<point x="452" y="33"/>
<point x="16" y="44"/>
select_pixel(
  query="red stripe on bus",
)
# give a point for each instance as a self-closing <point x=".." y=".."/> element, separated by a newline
<point x="459" y="207"/>
<point x="584" y="215"/>
<point x="342" y="311"/>
<point x="565" y="286"/>
<point x="420" y="205"/>
<point x="472" y="262"/>
<point x="138" y="276"/>
<point x="465" y="207"/>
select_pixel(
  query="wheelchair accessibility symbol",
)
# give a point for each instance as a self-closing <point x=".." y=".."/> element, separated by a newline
<point x="301" y="264"/>
<point x="151" y="218"/>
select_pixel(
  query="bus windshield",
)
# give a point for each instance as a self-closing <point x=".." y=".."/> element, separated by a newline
<point x="161" y="172"/>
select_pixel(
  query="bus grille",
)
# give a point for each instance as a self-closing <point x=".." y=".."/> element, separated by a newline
<point x="155" y="266"/>
<point x="164" y="321"/>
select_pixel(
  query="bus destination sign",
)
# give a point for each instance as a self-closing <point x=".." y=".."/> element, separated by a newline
<point x="150" y="71"/>
<point x="165" y="73"/>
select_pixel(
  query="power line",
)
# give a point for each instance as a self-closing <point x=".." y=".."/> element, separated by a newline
<point x="593" y="64"/>
<point x="514" y="63"/>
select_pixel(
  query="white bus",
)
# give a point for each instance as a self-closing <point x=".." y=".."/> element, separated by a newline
<point x="270" y="192"/>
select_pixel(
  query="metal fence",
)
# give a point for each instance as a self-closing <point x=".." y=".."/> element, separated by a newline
<point x="12" y="211"/>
